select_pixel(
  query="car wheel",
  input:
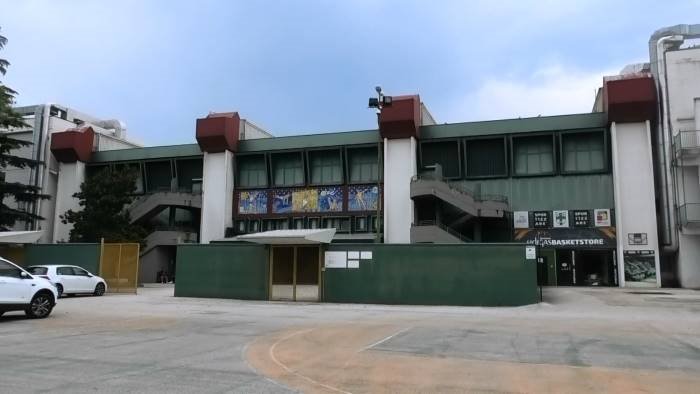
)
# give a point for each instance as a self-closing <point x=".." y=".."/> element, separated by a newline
<point x="41" y="306"/>
<point x="99" y="289"/>
<point x="59" y="290"/>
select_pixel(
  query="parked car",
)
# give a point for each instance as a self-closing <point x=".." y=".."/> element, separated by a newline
<point x="70" y="279"/>
<point x="21" y="291"/>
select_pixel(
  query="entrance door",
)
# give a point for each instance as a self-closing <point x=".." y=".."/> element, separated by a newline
<point x="542" y="271"/>
<point x="295" y="273"/>
<point x="565" y="268"/>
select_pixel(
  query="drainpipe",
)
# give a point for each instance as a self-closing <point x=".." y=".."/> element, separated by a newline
<point x="659" y="43"/>
<point x="38" y="180"/>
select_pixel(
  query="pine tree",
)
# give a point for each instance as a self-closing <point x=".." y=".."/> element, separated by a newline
<point x="21" y="193"/>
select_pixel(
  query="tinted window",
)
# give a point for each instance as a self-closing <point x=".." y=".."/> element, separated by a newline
<point x="64" y="271"/>
<point x="8" y="270"/>
<point x="80" y="271"/>
<point x="38" y="270"/>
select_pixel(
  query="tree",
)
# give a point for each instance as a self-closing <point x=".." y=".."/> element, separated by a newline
<point x="20" y="192"/>
<point x="103" y="198"/>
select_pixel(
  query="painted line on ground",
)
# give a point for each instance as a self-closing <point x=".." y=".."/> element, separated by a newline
<point x="244" y="350"/>
<point x="385" y="339"/>
<point x="289" y="370"/>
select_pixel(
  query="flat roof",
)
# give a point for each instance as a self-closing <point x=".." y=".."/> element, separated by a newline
<point x="147" y="153"/>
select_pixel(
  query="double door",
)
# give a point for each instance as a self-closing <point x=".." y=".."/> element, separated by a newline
<point x="295" y="273"/>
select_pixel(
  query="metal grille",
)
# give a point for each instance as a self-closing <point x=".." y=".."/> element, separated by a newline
<point x="119" y="266"/>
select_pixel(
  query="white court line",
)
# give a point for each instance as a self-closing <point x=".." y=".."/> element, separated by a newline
<point x="244" y="350"/>
<point x="308" y="379"/>
<point x="385" y="339"/>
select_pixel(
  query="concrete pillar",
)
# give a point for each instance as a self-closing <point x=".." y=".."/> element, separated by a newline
<point x="399" y="168"/>
<point x="217" y="195"/>
<point x="70" y="176"/>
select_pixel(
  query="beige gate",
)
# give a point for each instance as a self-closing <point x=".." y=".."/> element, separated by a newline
<point x="119" y="266"/>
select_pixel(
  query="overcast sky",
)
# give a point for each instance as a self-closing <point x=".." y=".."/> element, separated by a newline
<point x="309" y="66"/>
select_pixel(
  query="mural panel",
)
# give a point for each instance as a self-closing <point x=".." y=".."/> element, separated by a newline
<point x="252" y="202"/>
<point x="330" y="199"/>
<point x="282" y="201"/>
<point x="305" y="200"/>
<point x="363" y="198"/>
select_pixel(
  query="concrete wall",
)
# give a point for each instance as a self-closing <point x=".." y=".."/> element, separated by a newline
<point x="476" y="274"/>
<point x="634" y="191"/>
<point x="689" y="260"/>
<point x="71" y="175"/>
<point x="399" y="166"/>
<point x="217" y="195"/>
<point x="683" y="69"/>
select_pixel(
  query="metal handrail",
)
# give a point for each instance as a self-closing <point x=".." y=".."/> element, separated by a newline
<point x="449" y="230"/>
<point x="689" y="213"/>
<point x="460" y="189"/>
<point x="686" y="139"/>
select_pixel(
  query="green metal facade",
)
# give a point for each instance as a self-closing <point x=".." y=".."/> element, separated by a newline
<point x="476" y="274"/>
<point x="83" y="255"/>
<point x="237" y="271"/>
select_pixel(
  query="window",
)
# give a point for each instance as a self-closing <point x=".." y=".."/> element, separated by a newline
<point x="298" y="223"/>
<point x="136" y="169"/>
<point x="275" y="224"/>
<point x="8" y="270"/>
<point x="533" y="155"/>
<point x="325" y="167"/>
<point x="486" y="157"/>
<point x="185" y="218"/>
<point x="64" y="271"/>
<point x="241" y="226"/>
<point x="583" y="152"/>
<point x="254" y="226"/>
<point x="287" y="169"/>
<point x="38" y="270"/>
<point x="189" y="171"/>
<point x="362" y="164"/>
<point x="159" y="176"/>
<point x="252" y="171"/>
<point x="314" y="223"/>
<point x="361" y="224"/>
<point x="80" y="272"/>
<point x="444" y="153"/>
<point x="341" y="225"/>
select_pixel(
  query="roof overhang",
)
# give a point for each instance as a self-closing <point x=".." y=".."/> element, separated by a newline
<point x="290" y="237"/>
<point x="19" y="237"/>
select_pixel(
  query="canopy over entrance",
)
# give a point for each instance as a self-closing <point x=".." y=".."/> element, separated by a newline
<point x="290" y="237"/>
<point x="19" y="237"/>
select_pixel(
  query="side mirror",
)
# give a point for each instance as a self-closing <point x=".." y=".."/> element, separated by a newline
<point x="24" y="275"/>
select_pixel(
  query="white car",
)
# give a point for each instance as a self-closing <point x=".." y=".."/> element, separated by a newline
<point x="70" y="279"/>
<point x="20" y="291"/>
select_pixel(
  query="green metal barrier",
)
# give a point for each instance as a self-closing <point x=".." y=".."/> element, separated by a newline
<point x="222" y="271"/>
<point x="83" y="255"/>
<point x="478" y="274"/>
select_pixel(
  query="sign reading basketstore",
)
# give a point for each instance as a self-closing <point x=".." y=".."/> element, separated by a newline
<point x="573" y="238"/>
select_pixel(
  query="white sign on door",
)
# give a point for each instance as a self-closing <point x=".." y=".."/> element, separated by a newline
<point x="530" y="253"/>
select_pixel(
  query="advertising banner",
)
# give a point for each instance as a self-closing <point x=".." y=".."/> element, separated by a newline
<point x="640" y="266"/>
<point x="363" y="198"/>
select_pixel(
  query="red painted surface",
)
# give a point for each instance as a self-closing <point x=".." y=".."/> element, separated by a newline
<point x="401" y="119"/>
<point x="73" y="144"/>
<point x="218" y="132"/>
<point x="630" y="98"/>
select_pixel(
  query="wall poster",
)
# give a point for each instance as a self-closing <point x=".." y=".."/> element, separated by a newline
<point x="330" y="199"/>
<point x="282" y="201"/>
<point x="640" y="266"/>
<point x="520" y="219"/>
<point x="561" y="219"/>
<point x="305" y="200"/>
<point x="252" y="202"/>
<point x="363" y="198"/>
<point x="602" y="217"/>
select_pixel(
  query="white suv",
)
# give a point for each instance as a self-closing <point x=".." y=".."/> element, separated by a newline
<point x="70" y="279"/>
<point x="20" y="291"/>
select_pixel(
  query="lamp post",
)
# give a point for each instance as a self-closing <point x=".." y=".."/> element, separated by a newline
<point x="378" y="104"/>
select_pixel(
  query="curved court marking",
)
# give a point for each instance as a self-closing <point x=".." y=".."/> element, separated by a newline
<point x="308" y="379"/>
<point x="379" y="342"/>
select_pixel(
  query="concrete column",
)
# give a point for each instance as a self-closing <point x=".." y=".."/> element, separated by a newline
<point x="217" y="195"/>
<point x="399" y="168"/>
<point x="70" y="176"/>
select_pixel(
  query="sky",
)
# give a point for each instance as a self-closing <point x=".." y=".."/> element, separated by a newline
<point x="302" y="67"/>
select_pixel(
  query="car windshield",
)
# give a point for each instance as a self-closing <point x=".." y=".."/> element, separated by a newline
<point x="38" y="270"/>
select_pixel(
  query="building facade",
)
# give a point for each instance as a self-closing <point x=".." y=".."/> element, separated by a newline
<point x="611" y="197"/>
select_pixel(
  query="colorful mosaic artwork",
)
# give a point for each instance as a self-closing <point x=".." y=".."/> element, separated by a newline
<point x="252" y="202"/>
<point x="305" y="200"/>
<point x="363" y="198"/>
<point x="282" y="201"/>
<point x="330" y="199"/>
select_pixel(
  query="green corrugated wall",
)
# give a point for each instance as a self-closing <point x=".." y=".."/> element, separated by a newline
<point x="222" y="271"/>
<point x="82" y="255"/>
<point x="483" y="274"/>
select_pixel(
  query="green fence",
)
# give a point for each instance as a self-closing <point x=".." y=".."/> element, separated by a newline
<point x="480" y="274"/>
<point x="82" y="255"/>
<point x="222" y="271"/>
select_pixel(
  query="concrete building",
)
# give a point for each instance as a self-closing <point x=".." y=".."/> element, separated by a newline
<point x="611" y="197"/>
<point x="42" y="122"/>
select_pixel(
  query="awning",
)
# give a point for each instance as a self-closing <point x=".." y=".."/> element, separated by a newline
<point x="290" y="237"/>
<point x="19" y="237"/>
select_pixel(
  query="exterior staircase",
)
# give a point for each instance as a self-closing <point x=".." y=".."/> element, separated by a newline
<point x="148" y="204"/>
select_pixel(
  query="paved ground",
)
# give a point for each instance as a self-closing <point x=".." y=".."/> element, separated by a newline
<point x="580" y="340"/>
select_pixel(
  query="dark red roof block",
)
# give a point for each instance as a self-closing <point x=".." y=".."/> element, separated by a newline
<point x="218" y="132"/>
<point x="630" y="98"/>
<point x="73" y="144"/>
<point x="401" y="119"/>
